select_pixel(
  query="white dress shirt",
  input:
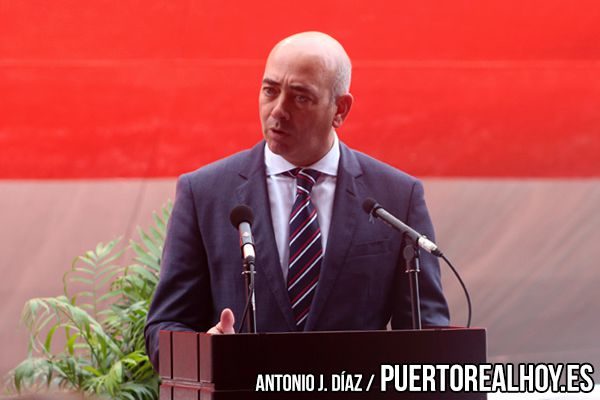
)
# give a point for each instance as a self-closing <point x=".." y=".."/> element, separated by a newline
<point x="282" y="194"/>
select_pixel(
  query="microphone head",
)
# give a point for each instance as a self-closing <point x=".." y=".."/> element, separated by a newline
<point x="369" y="205"/>
<point x="241" y="213"/>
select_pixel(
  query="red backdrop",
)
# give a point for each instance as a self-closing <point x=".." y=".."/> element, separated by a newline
<point x="134" y="88"/>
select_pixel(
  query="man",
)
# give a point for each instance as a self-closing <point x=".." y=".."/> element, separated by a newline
<point x="321" y="264"/>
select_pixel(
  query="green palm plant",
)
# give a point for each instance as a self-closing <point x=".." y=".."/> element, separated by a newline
<point x="102" y="315"/>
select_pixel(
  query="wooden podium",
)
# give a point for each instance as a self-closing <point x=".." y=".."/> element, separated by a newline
<point x="227" y="367"/>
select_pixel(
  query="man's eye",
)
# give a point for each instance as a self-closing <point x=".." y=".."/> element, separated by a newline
<point x="302" y="99"/>
<point x="269" y="91"/>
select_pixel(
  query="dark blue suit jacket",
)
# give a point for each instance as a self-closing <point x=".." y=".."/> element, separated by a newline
<point x="362" y="283"/>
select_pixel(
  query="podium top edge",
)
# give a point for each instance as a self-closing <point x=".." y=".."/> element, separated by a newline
<point x="327" y="333"/>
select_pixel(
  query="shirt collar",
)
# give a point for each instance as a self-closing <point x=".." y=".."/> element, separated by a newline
<point x="276" y="164"/>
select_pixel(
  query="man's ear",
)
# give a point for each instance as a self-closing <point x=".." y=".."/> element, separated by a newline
<point x="343" y="104"/>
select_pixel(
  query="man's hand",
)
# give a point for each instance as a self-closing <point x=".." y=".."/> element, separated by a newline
<point x="225" y="325"/>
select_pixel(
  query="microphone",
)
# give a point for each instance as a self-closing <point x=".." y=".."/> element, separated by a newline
<point x="373" y="208"/>
<point x="241" y="218"/>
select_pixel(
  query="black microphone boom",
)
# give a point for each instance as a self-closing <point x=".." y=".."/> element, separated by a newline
<point x="241" y="218"/>
<point x="373" y="208"/>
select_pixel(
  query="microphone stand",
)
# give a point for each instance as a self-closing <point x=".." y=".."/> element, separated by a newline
<point x="250" y="312"/>
<point x="411" y="257"/>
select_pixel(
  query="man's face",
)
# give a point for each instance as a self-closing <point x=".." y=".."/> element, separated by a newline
<point x="296" y="106"/>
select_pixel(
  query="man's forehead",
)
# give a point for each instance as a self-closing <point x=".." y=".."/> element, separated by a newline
<point x="294" y="80"/>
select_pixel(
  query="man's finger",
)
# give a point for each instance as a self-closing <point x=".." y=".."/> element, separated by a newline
<point x="227" y="321"/>
<point x="225" y="324"/>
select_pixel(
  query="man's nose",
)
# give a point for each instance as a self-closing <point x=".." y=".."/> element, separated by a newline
<point x="280" y="110"/>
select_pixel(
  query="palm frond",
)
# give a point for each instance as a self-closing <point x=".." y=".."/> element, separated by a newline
<point x="91" y="275"/>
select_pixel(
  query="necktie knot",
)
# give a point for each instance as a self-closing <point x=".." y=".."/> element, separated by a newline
<point x="305" y="177"/>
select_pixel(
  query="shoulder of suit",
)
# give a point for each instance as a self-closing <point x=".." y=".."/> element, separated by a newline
<point x="373" y="167"/>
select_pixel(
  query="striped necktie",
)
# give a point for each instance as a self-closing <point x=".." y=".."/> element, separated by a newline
<point x="306" y="250"/>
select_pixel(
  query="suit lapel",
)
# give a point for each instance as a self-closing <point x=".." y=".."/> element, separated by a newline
<point x="253" y="192"/>
<point x="346" y="206"/>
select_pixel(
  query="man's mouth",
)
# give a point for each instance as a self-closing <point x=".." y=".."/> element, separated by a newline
<point x="278" y="131"/>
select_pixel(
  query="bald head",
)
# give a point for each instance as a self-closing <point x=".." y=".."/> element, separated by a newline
<point x="326" y="49"/>
<point x="304" y="96"/>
